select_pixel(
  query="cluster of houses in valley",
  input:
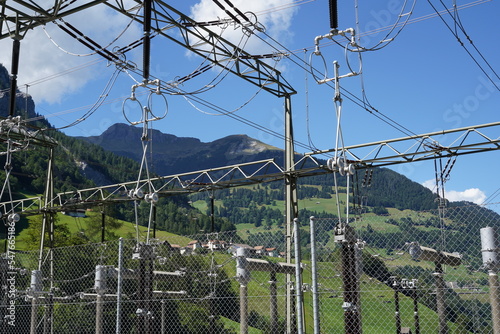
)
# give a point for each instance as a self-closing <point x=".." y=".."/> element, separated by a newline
<point x="195" y="246"/>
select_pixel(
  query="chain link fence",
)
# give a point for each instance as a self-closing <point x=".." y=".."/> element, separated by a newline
<point x="396" y="272"/>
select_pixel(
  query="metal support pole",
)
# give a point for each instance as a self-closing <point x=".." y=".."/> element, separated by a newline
<point x="291" y="208"/>
<point x="34" y="309"/>
<point x="103" y="224"/>
<point x="147" y="39"/>
<point x="489" y="252"/>
<point x="243" y="309"/>
<point x="162" y="330"/>
<point x="51" y="312"/>
<point x="100" y="289"/>
<point x="36" y="287"/>
<point x="211" y="315"/>
<point x="415" y="310"/>
<point x="119" y="287"/>
<point x="298" y="278"/>
<point x="440" y="299"/>
<point x="352" y="305"/>
<point x="396" y="306"/>
<point x="16" y="45"/>
<point x="243" y="277"/>
<point x="99" y="308"/>
<point x="154" y="221"/>
<point x="48" y="195"/>
<point x="314" y="278"/>
<point x="212" y="213"/>
<point x="495" y="301"/>
<point x="45" y="319"/>
<point x="274" y="302"/>
<point x="145" y="288"/>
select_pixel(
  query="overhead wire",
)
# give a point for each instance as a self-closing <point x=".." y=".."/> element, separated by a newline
<point x="96" y="105"/>
<point x="458" y="23"/>
<point x="284" y="6"/>
<point x="245" y="120"/>
<point x="237" y="108"/>
<point x="237" y="117"/>
<point x="309" y="138"/>
<point x="411" y="21"/>
<point x="385" y="41"/>
<point x="490" y="198"/>
<point x="223" y="72"/>
<point x="361" y="102"/>
<point x="467" y="50"/>
<point x="260" y="127"/>
<point x="102" y="48"/>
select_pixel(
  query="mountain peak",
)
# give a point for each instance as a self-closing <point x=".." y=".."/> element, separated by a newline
<point x="172" y="154"/>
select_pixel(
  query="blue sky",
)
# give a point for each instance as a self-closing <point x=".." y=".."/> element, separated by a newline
<point x="422" y="79"/>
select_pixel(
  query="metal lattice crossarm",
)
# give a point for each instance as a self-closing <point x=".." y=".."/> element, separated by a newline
<point x="11" y="129"/>
<point x="186" y="32"/>
<point x="215" y="178"/>
<point x="170" y="23"/>
<point x="20" y="16"/>
<point x="466" y="140"/>
<point x="32" y="205"/>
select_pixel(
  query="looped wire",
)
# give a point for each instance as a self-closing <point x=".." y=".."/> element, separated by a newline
<point x="312" y="68"/>
<point x="125" y="113"/>
<point x="150" y="105"/>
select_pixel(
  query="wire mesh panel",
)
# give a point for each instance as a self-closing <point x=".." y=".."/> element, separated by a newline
<point x="416" y="272"/>
<point x="394" y="272"/>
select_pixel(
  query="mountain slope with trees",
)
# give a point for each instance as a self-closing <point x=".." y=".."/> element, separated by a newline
<point x="79" y="164"/>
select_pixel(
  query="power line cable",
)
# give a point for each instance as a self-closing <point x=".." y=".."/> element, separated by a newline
<point x="491" y="197"/>
<point x="95" y="106"/>
<point x="309" y="138"/>
<point x="350" y="96"/>
<point x="465" y="48"/>
<point x="95" y="52"/>
<point x="458" y="23"/>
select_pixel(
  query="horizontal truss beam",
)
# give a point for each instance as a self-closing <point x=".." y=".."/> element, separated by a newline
<point x="20" y="136"/>
<point x="467" y="140"/>
<point x="168" y="23"/>
<point x="200" y="40"/>
<point x="20" y="16"/>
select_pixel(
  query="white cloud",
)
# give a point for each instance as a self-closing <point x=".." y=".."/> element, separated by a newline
<point x="41" y="59"/>
<point x="276" y="22"/>
<point x="473" y="195"/>
<point x="431" y="184"/>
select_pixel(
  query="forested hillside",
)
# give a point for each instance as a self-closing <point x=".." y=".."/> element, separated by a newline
<point x="113" y="158"/>
<point x="79" y="164"/>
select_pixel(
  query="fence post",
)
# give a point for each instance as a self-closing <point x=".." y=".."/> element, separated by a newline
<point x="440" y="299"/>
<point x="489" y="255"/>
<point x="395" y="285"/>
<point x="298" y="278"/>
<point x="119" y="287"/>
<point x="243" y="277"/>
<point x="415" y="307"/>
<point x="36" y="288"/>
<point x="274" y="302"/>
<point x="100" y="288"/>
<point x="314" y="277"/>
